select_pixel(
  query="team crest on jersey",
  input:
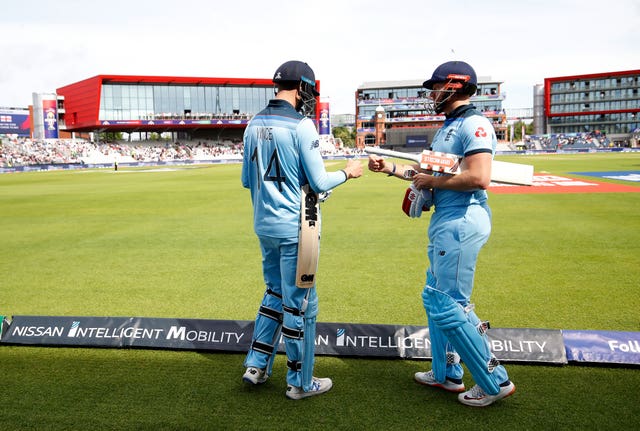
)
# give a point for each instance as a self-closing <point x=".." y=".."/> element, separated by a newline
<point x="480" y="133"/>
<point x="315" y="144"/>
<point x="449" y="133"/>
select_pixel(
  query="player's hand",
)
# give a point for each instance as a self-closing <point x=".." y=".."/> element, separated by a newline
<point x="415" y="201"/>
<point x="353" y="168"/>
<point x="376" y="163"/>
<point x="423" y="181"/>
<point x="323" y="196"/>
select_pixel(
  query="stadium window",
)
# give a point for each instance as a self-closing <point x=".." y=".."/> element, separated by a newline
<point x="200" y="100"/>
<point x="186" y="98"/>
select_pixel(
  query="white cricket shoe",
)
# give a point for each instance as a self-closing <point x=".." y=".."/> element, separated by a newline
<point x="427" y="378"/>
<point x="255" y="376"/>
<point x="476" y="397"/>
<point x="318" y="386"/>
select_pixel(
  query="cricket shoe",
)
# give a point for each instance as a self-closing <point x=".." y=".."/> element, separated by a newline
<point x="476" y="397"/>
<point x="318" y="386"/>
<point x="450" y="385"/>
<point x="255" y="376"/>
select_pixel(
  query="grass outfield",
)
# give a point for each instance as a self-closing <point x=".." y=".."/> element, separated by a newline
<point x="179" y="243"/>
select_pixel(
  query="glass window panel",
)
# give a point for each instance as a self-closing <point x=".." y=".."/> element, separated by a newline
<point x="173" y="105"/>
<point x="201" y="97"/>
<point x="164" y="99"/>
<point x="196" y="104"/>
<point x="216" y="108"/>
<point x="186" y="97"/>
<point x="235" y="99"/>
<point x="208" y="99"/>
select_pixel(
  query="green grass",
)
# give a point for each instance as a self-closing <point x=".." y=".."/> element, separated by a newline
<point x="181" y="244"/>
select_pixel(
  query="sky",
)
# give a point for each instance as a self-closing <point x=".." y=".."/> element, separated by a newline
<point x="46" y="45"/>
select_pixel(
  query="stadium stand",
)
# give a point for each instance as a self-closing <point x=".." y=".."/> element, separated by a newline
<point x="27" y="152"/>
<point x="24" y="152"/>
<point x="573" y="141"/>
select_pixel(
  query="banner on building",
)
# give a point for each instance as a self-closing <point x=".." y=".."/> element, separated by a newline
<point x="324" y="123"/>
<point x="50" y="116"/>
<point x="421" y="141"/>
<point x="15" y="122"/>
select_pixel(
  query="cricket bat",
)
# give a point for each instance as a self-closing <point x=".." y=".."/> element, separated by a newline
<point x="308" y="238"/>
<point x="501" y="172"/>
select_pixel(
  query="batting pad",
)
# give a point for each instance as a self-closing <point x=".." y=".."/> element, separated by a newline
<point x="308" y="352"/>
<point x="266" y="335"/>
<point x="264" y="346"/>
<point x="441" y="349"/>
<point x="299" y="337"/>
<point x="461" y="331"/>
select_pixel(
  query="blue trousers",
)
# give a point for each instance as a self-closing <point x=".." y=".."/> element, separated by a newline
<point x="285" y="309"/>
<point x="456" y="236"/>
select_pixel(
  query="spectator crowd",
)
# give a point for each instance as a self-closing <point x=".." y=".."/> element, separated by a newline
<point x="24" y="152"/>
<point x="28" y="152"/>
<point x="568" y="141"/>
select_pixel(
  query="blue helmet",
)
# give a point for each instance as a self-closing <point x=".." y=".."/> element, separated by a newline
<point x="296" y="71"/>
<point x="458" y="74"/>
<point x="301" y="73"/>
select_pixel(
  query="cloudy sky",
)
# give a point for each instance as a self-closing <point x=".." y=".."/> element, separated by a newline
<point x="48" y="44"/>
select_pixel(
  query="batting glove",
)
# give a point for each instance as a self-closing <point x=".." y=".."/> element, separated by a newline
<point x="324" y="195"/>
<point x="415" y="201"/>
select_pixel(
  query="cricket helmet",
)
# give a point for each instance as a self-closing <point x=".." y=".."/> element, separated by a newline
<point x="296" y="71"/>
<point x="458" y="77"/>
<point x="459" y="74"/>
<point x="300" y="73"/>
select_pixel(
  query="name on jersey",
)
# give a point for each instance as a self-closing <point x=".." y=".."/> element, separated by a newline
<point x="265" y="133"/>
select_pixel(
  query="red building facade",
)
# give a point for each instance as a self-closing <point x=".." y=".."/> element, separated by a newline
<point x="200" y="107"/>
<point x="607" y="103"/>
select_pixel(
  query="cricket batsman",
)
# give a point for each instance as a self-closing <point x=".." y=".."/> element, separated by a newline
<point x="459" y="226"/>
<point x="281" y="159"/>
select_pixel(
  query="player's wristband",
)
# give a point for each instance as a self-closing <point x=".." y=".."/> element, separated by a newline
<point x="393" y="171"/>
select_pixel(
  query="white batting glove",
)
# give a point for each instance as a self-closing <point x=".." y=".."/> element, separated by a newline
<point x="415" y="201"/>
<point x="324" y="195"/>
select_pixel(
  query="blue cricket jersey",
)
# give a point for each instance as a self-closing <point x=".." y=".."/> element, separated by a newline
<point x="282" y="153"/>
<point x="465" y="132"/>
